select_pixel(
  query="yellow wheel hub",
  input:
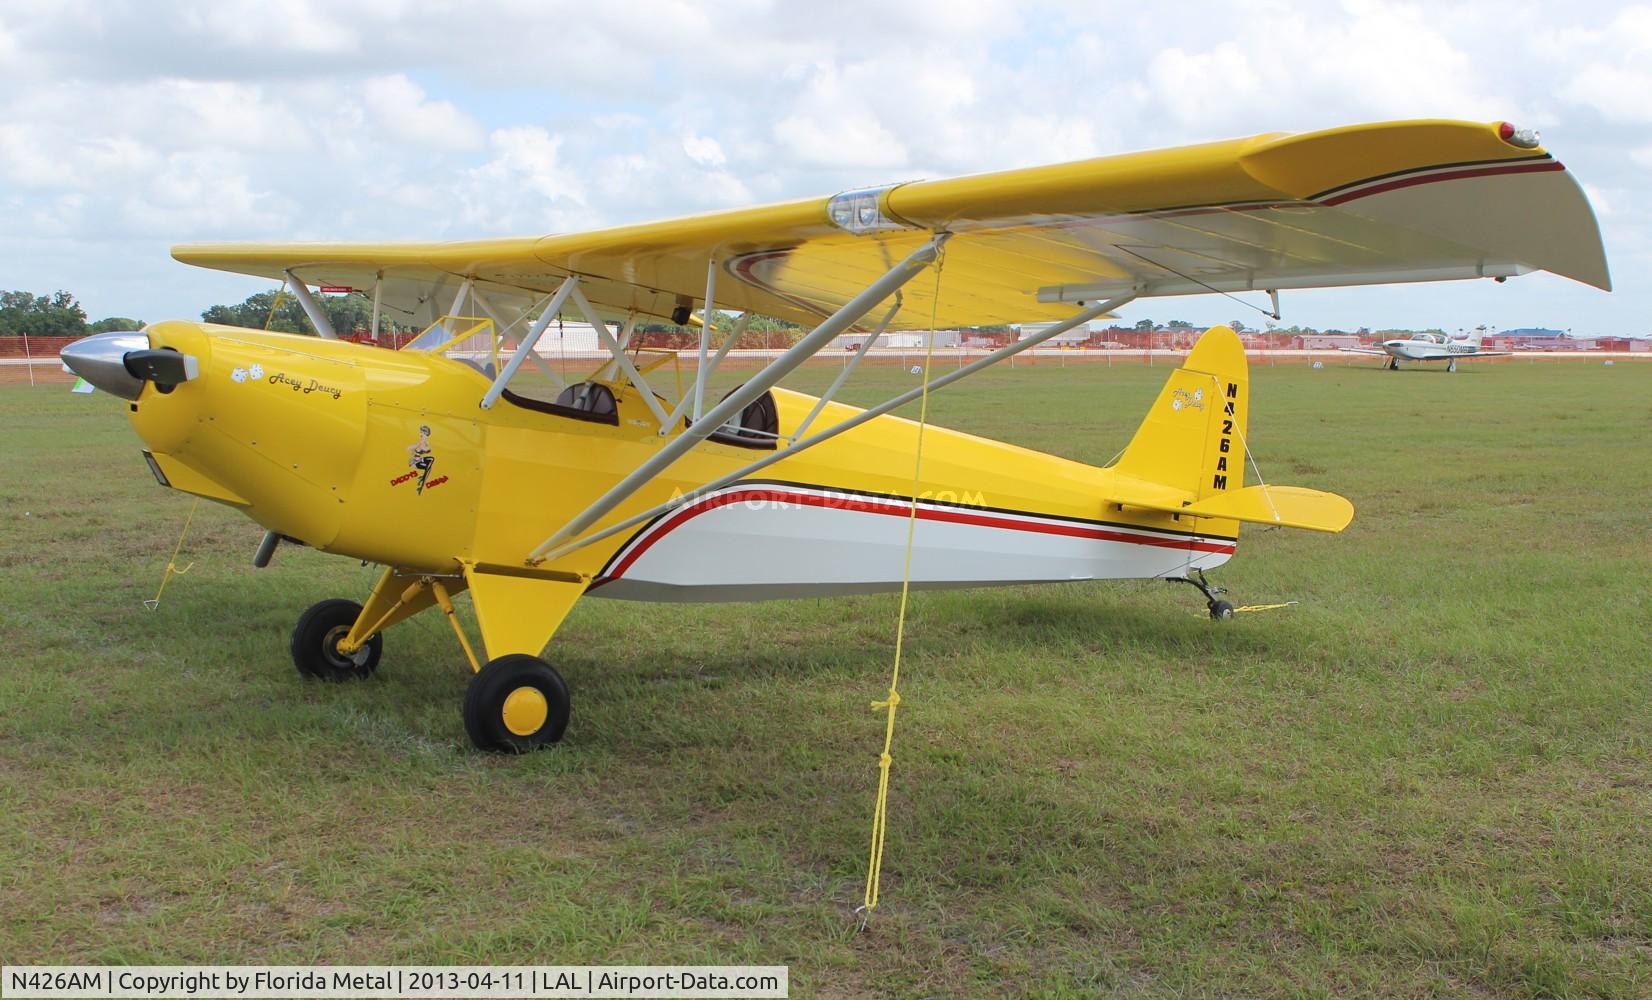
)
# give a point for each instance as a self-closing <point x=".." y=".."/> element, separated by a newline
<point x="525" y="711"/>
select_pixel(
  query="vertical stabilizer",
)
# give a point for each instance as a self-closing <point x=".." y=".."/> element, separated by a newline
<point x="1193" y="439"/>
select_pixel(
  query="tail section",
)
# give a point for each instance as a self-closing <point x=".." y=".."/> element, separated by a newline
<point x="1193" y="439"/>
<point x="1188" y="455"/>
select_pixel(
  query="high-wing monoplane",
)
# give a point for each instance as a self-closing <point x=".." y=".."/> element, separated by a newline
<point x="463" y="461"/>
<point x="1429" y="346"/>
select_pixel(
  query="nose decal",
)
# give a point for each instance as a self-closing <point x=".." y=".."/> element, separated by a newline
<point x="254" y="374"/>
<point x="420" y="460"/>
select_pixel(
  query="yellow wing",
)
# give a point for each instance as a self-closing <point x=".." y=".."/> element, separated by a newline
<point x="1401" y="201"/>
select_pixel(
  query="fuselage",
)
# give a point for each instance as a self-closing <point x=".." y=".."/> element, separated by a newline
<point x="387" y="456"/>
<point x="1430" y="348"/>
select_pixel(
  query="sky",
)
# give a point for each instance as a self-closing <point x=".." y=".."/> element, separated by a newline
<point x="126" y="127"/>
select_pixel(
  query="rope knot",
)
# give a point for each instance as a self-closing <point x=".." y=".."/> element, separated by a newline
<point x="885" y="759"/>
<point x="890" y="702"/>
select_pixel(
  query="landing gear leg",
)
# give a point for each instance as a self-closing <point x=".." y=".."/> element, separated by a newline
<point x="1219" y="609"/>
<point x="1393" y="364"/>
<point x="516" y="702"/>
<point x="1451" y="365"/>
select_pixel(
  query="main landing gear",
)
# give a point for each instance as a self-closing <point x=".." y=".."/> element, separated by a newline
<point x="1393" y="364"/>
<point x="316" y="638"/>
<point x="1219" y="609"/>
<point x="1451" y="365"/>
<point x="513" y="704"/>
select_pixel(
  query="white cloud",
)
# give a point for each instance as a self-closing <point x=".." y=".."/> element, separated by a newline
<point x="292" y="25"/>
<point x="845" y="140"/>
<point x="1619" y="93"/>
<point x="704" y="150"/>
<point x="1367" y="60"/>
<point x="1598" y="200"/>
<point x="11" y="53"/>
<point x="1612" y="78"/>
<point x="399" y="107"/>
<point x="524" y="186"/>
<point x="205" y="194"/>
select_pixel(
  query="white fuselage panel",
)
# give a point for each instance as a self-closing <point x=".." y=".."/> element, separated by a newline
<point x="759" y="541"/>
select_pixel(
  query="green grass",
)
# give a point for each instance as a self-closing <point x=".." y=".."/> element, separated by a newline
<point x="1432" y="777"/>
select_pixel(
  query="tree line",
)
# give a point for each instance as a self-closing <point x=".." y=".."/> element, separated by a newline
<point x="25" y="314"/>
<point x="59" y="314"/>
<point x="346" y="313"/>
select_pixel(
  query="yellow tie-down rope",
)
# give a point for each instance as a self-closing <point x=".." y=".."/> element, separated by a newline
<point x="275" y="305"/>
<point x="172" y="569"/>
<point x="880" y="812"/>
<point x="1253" y="608"/>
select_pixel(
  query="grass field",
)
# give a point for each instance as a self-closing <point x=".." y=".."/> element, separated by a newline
<point x="1432" y="777"/>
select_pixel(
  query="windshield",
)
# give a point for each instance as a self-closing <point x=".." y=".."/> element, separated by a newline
<point x="471" y="340"/>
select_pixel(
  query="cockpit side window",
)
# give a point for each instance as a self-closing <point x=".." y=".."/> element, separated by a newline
<point x="590" y="401"/>
<point x="592" y="397"/>
<point x="757" y="426"/>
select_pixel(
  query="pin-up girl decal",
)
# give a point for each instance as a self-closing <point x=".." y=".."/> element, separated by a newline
<point x="419" y="456"/>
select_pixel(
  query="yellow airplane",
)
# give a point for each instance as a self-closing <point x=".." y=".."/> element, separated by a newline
<point x="463" y="462"/>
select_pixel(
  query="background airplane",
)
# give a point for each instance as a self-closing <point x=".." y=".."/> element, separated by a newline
<point x="1429" y="347"/>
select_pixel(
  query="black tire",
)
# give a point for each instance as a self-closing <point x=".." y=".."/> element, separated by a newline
<point x="516" y="704"/>
<point x="1221" y="610"/>
<point x="315" y="643"/>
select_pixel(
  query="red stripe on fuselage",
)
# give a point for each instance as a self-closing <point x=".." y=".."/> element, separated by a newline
<point x="902" y="509"/>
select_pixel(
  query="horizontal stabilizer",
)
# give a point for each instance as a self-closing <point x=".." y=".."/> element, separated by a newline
<point x="1287" y="506"/>
<point x="1290" y="506"/>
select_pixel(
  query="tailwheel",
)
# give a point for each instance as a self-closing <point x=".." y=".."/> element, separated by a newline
<point x="317" y="635"/>
<point x="515" y="704"/>
<point x="1220" y="610"/>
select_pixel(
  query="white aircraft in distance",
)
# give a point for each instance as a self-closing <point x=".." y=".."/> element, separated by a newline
<point x="1429" y="347"/>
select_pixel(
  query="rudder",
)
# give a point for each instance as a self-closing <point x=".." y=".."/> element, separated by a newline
<point x="1193" y="438"/>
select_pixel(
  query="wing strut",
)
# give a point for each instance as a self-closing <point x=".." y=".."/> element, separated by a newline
<point x="740" y="398"/>
<point x="717" y="359"/>
<point x="700" y="373"/>
<point x="551" y="549"/>
<point x="526" y="347"/>
<point x="318" y="316"/>
<point x="849" y="369"/>
<point x="500" y="328"/>
<point x="610" y="370"/>
<point x="617" y="350"/>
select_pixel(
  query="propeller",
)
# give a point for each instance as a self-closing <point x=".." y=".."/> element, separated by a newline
<point x="120" y="363"/>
